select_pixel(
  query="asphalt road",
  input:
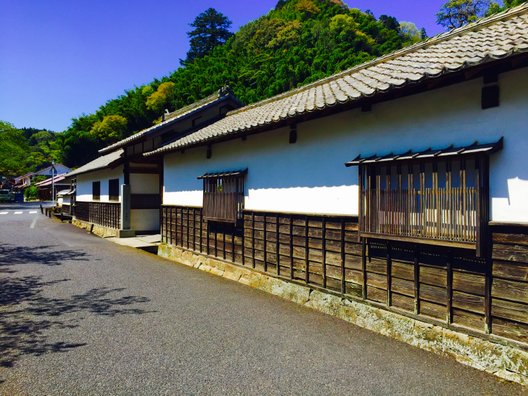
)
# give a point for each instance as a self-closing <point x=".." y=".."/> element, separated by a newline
<point x="80" y="315"/>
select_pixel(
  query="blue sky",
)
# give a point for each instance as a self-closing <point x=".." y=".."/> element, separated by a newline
<point x="62" y="58"/>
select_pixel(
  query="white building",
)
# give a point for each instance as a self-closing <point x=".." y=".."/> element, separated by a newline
<point x="402" y="183"/>
<point x="121" y="189"/>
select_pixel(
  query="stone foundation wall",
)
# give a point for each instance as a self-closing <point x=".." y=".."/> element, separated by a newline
<point x="502" y="360"/>
<point x="99" y="230"/>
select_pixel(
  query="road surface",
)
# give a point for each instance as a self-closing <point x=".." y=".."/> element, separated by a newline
<point x="80" y="315"/>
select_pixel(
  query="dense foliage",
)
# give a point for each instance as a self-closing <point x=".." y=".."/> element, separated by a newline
<point x="298" y="42"/>
<point x="457" y="13"/>
<point x="24" y="150"/>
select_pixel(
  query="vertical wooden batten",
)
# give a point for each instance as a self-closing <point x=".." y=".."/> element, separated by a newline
<point x="483" y="236"/>
<point x="291" y="249"/>
<point x="416" y="280"/>
<point x="277" y="243"/>
<point x="449" y="268"/>
<point x="323" y="243"/>
<point x="265" y="243"/>
<point x="389" y="274"/>
<point x="343" y="257"/>
<point x="364" y="254"/>
<point x="306" y="252"/>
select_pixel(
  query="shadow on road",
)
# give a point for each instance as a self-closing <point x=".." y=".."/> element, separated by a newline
<point x="43" y="255"/>
<point x="29" y="316"/>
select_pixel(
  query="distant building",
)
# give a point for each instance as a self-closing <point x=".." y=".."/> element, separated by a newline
<point x="24" y="181"/>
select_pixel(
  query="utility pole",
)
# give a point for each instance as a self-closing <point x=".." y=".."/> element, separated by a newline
<point x="53" y="182"/>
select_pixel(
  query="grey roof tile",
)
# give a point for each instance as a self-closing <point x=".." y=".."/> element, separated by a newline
<point x="496" y="37"/>
<point x="173" y="117"/>
<point x="101" y="162"/>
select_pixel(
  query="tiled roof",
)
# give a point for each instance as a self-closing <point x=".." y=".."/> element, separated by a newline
<point x="172" y="118"/>
<point x="52" y="170"/>
<point x="496" y="37"/>
<point x="451" y="151"/>
<point x="103" y="161"/>
<point x="51" y="180"/>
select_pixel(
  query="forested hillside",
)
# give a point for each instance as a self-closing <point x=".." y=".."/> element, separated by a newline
<point x="298" y="42"/>
<point x="24" y="150"/>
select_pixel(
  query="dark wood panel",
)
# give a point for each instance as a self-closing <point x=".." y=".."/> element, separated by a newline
<point x="376" y="294"/>
<point x="469" y="283"/>
<point x="403" y="302"/>
<point x="402" y="270"/>
<point x="433" y="294"/>
<point x="433" y="276"/>
<point x="468" y="302"/>
<point x="403" y="286"/>
<point x="513" y="239"/>
<point x="433" y="310"/>
<point x="468" y="319"/>
<point x="510" y="310"/>
<point x="377" y="266"/>
<point x="510" y="252"/>
<point x="510" y="270"/>
<point x="510" y="290"/>
<point x="513" y="330"/>
<point x="377" y="280"/>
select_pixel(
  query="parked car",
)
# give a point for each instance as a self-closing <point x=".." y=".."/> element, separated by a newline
<point x="6" y="196"/>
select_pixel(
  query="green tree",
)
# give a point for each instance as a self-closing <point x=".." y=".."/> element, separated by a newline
<point x="13" y="151"/>
<point x="457" y="13"/>
<point x="494" y="7"/>
<point x="160" y="99"/>
<point x="308" y="7"/>
<point x="211" y="28"/>
<point x="110" y="129"/>
<point x="410" y="32"/>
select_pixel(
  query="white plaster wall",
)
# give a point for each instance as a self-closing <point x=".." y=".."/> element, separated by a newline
<point x="84" y="183"/>
<point x="144" y="183"/>
<point x="144" y="219"/>
<point x="310" y="176"/>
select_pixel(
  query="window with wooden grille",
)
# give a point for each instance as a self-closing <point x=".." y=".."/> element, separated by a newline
<point x="434" y="196"/>
<point x="96" y="190"/>
<point x="223" y="196"/>
<point x="113" y="189"/>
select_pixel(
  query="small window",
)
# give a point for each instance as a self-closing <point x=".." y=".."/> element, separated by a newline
<point x="96" y="190"/>
<point x="113" y="189"/>
<point x="223" y="196"/>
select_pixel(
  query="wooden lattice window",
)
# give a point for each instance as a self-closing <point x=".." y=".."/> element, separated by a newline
<point x="223" y="196"/>
<point x="435" y="196"/>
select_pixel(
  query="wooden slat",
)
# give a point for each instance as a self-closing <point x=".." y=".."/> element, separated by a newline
<point x="510" y="270"/>
<point x="510" y="290"/>
<point x="512" y="330"/>
<point x="468" y="319"/>
<point x="510" y="310"/>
